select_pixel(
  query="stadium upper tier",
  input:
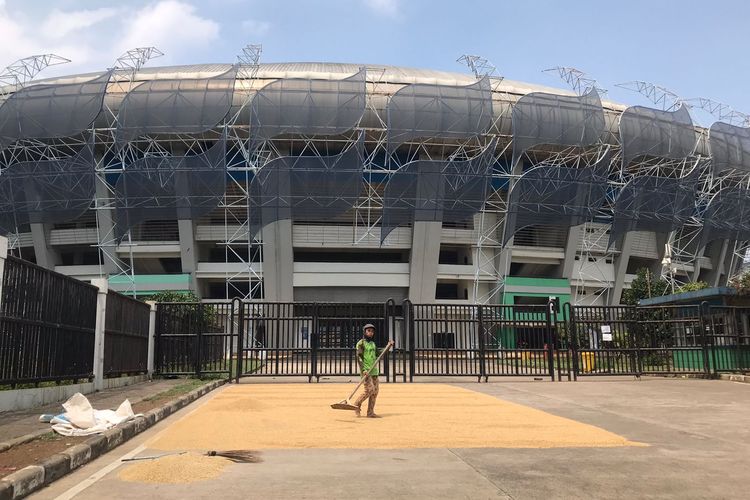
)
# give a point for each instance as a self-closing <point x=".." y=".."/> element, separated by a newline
<point x="651" y="169"/>
<point x="194" y="98"/>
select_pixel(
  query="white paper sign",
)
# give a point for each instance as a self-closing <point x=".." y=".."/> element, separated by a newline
<point x="606" y="333"/>
<point x="606" y="329"/>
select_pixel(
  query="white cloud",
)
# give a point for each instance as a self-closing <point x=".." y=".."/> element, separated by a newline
<point x="388" y="8"/>
<point x="94" y="38"/>
<point x="254" y="27"/>
<point x="59" y="24"/>
<point x="169" y="25"/>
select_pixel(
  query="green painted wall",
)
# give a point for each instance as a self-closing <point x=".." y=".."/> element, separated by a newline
<point x="730" y="358"/>
<point x="147" y="284"/>
<point x="545" y="286"/>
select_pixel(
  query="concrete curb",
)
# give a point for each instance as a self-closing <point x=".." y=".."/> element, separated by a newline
<point x="745" y="379"/>
<point x="730" y="377"/>
<point x="7" y="445"/>
<point x="29" y="479"/>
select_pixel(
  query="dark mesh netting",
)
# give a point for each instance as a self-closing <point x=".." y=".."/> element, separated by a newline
<point x="307" y="106"/>
<point x="437" y="190"/>
<point x="559" y="196"/>
<point x="315" y="188"/>
<point x="730" y="147"/>
<point x="51" y="110"/>
<point x="649" y="203"/>
<point x="653" y="132"/>
<point x="46" y="191"/>
<point x="727" y="216"/>
<point x="175" y="106"/>
<point x="541" y="118"/>
<point x="170" y="187"/>
<point x="439" y="111"/>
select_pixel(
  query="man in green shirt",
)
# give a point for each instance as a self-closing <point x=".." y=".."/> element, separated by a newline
<point x="367" y="353"/>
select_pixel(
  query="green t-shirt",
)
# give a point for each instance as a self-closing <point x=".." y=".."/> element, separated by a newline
<point x="367" y="353"/>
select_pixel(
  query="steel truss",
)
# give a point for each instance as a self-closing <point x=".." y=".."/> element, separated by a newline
<point x="244" y="159"/>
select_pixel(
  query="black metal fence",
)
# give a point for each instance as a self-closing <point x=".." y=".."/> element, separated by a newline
<point x="660" y="340"/>
<point x="126" y="330"/>
<point x="47" y="323"/>
<point x="305" y="339"/>
<point x="728" y="338"/>
<point x="314" y="340"/>
<point x="481" y="341"/>
<point x="195" y="338"/>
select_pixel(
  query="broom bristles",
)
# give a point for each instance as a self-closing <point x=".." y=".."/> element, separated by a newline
<point x="237" y="456"/>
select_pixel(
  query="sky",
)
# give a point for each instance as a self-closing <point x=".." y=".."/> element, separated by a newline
<point x="694" y="48"/>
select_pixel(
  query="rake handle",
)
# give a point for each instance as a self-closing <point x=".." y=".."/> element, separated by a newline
<point x="362" y="380"/>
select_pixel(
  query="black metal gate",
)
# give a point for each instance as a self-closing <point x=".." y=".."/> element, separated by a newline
<point x="195" y="338"/>
<point x="481" y="341"/>
<point x="280" y="339"/>
<point x="630" y="340"/>
<point x="315" y="340"/>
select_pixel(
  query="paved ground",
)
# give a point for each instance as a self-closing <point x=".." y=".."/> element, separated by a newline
<point x="19" y="423"/>
<point x="697" y="435"/>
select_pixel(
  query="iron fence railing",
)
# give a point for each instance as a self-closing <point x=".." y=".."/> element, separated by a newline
<point x="318" y="340"/>
<point x="125" y="335"/>
<point x="47" y="325"/>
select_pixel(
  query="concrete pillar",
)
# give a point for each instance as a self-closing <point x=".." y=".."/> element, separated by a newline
<point x="3" y="257"/>
<point x="621" y="267"/>
<point x="661" y="241"/>
<point x="105" y="228"/>
<point x="719" y="264"/>
<point x="697" y="266"/>
<point x="101" y="313"/>
<point x="423" y="263"/>
<point x="571" y="248"/>
<point x="188" y="250"/>
<point x="278" y="262"/>
<point x="151" y="338"/>
<point x="45" y="256"/>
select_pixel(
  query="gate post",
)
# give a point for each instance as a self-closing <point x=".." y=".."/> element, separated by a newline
<point x="572" y="341"/>
<point x="314" y="340"/>
<point x="390" y="334"/>
<point x="151" y="338"/>
<point x="705" y="319"/>
<point x="482" y="360"/>
<point x="550" y="340"/>
<point x="404" y="337"/>
<point x="409" y="334"/>
<point x="637" y="339"/>
<point x="199" y="342"/>
<point x="240" y="315"/>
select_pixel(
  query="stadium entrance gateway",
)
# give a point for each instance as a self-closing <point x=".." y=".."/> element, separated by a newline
<point x="316" y="340"/>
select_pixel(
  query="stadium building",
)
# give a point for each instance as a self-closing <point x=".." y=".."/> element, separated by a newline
<point x="359" y="183"/>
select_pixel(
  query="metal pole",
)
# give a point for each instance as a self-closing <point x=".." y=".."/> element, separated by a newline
<point x="199" y="342"/>
<point x="550" y="340"/>
<point x="482" y="353"/>
<point x="151" y="338"/>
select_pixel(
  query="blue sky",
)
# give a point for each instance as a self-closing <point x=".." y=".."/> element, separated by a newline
<point x="695" y="48"/>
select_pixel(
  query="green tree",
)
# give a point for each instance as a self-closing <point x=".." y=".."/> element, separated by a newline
<point x="692" y="286"/>
<point x="173" y="296"/>
<point x="644" y="286"/>
<point x="741" y="283"/>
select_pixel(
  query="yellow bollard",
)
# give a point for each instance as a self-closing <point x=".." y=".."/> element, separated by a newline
<point x="588" y="362"/>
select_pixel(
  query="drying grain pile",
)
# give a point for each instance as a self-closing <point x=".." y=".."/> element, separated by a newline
<point x="175" y="469"/>
<point x="266" y="416"/>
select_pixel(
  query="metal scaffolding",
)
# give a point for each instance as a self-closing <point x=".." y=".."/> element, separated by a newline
<point x="249" y="150"/>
